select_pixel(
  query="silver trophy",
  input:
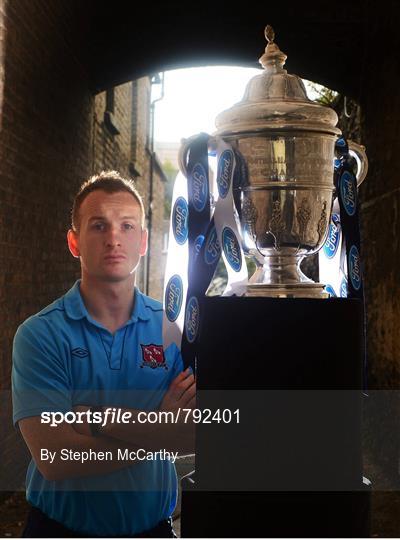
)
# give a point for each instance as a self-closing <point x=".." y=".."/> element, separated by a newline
<point x="288" y="144"/>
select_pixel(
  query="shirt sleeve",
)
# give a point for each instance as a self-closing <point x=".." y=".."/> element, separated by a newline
<point x="40" y="381"/>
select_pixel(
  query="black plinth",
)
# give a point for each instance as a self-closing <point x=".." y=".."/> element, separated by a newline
<point x="292" y="466"/>
<point x="275" y="515"/>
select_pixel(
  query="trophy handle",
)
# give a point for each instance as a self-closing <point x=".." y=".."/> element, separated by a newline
<point x="358" y="152"/>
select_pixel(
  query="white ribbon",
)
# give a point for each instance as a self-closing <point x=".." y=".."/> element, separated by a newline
<point x="332" y="257"/>
<point x="227" y="226"/>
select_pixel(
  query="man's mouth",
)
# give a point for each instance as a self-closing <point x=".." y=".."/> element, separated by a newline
<point x="113" y="258"/>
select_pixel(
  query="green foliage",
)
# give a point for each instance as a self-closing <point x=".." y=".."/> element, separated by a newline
<point x="321" y="94"/>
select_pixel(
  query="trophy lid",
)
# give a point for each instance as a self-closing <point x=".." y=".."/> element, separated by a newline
<point x="275" y="100"/>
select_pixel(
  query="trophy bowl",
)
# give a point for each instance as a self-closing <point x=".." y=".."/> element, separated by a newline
<point x="286" y="207"/>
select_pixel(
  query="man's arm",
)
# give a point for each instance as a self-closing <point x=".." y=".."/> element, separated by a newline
<point x="170" y="435"/>
<point x="40" y="382"/>
<point x="78" y="438"/>
<point x="40" y="436"/>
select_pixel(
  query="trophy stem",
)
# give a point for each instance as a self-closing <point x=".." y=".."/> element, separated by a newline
<point x="281" y="276"/>
<point x="280" y="270"/>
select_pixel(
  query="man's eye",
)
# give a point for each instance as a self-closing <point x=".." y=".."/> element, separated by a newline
<point x="128" y="226"/>
<point x="99" y="226"/>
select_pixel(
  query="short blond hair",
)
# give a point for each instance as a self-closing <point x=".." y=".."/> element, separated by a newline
<point x="110" y="182"/>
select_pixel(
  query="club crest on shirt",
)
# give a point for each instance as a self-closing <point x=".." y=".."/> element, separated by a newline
<point x="153" y="356"/>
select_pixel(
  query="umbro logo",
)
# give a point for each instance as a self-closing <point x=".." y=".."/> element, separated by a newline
<point x="79" y="352"/>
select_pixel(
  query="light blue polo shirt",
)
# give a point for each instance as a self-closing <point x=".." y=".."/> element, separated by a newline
<point x="61" y="358"/>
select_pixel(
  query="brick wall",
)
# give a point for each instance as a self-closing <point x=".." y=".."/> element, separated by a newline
<point x="157" y="259"/>
<point x="112" y="150"/>
<point x="45" y="151"/>
<point x="141" y="90"/>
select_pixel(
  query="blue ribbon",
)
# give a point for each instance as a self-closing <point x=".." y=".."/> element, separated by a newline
<point x="346" y="188"/>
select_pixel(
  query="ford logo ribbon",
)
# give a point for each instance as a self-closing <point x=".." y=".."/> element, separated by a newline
<point x="231" y="248"/>
<point x="180" y="215"/>
<point x="329" y="257"/>
<point x="195" y="241"/>
<point x="355" y="267"/>
<point x="199" y="222"/>
<point x="226" y="217"/>
<point x="176" y="275"/>
<point x="348" y="192"/>
<point x="212" y="251"/>
<point x="340" y="256"/>
<point x="224" y="172"/>
<point x="346" y="185"/>
<point x="198" y="198"/>
<point x="199" y="187"/>
<point x="332" y="242"/>
<point x="173" y="298"/>
<point x="192" y="319"/>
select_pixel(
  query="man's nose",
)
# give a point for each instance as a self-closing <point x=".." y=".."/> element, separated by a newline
<point x="113" y="237"/>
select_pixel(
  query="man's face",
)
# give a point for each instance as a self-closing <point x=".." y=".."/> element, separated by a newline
<point x="110" y="240"/>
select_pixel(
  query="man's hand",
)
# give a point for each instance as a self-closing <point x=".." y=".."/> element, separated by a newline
<point x="181" y="393"/>
<point x="82" y="427"/>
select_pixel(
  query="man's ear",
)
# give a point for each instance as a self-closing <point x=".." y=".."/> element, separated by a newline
<point x="143" y="242"/>
<point x="73" y="243"/>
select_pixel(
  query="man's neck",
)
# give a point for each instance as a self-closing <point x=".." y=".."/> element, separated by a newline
<point x="110" y="304"/>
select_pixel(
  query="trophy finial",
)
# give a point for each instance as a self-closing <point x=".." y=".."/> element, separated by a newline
<point x="269" y="33"/>
<point x="273" y="58"/>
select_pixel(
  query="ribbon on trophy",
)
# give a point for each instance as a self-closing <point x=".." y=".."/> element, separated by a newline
<point x="339" y="259"/>
<point x="227" y="222"/>
<point x="203" y="218"/>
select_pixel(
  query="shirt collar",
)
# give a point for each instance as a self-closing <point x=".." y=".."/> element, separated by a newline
<point x="76" y="309"/>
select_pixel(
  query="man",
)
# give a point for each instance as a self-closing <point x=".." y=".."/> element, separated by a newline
<point x="100" y="345"/>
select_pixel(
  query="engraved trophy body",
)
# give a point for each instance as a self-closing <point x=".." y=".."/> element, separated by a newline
<point x="287" y="142"/>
